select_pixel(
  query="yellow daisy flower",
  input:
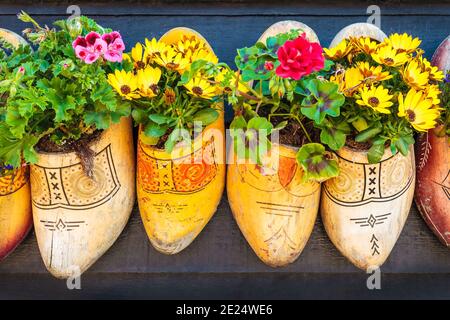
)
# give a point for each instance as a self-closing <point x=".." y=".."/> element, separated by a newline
<point x="349" y="81"/>
<point x="125" y="83"/>
<point x="374" y="73"/>
<point x="365" y="44"/>
<point x="378" y="98"/>
<point x="172" y="60"/>
<point x="341" y="50"/>
<point x="412" y="74"/>
<point x="201" y="88"/>
<point x="403" y="42"/>
<point x="148" y="79"/>
<point x="138" y="56"/>
<point x="433" y="92"/>
<point x="434" y="72"/>
<point x="188" y="45"/>
<point x="154" y="47"/>
<point x="202" y="54"/>
<point x="417" y="110"/>
<point x="388" y="56"/>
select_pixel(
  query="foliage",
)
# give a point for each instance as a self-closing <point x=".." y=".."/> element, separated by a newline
<point x="50" y="92"/>
<point x="287" y="73"/>
<point x="172" y="87"/>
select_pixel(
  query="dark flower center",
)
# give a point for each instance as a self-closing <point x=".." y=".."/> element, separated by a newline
<point x="154" y="88"/>
<point x="411" y="115"/>
<point x="389" y="61"/>
<point x="172" y="65"/>
<point x="125" y="89"/>
<point x="197" y="90"/>
<point x="140" y="64"/>
<point x="373" y="101"/>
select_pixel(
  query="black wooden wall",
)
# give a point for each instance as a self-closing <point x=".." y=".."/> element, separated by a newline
<point x="219" y="264"/>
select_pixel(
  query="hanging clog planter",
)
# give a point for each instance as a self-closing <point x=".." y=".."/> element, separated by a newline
<point x="365" y="208"/>
<point x="15" y="204"/>
<point x="78" y="218"/>
<point x="273" y="207"/>
<point x="178" y="192"/>
<point x="433" y="166"/>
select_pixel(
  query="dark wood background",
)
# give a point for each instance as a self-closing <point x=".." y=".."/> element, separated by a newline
<point x="220" y="264"/>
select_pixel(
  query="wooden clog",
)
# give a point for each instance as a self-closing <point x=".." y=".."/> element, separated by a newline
<point x="273" y="208"/>
<point x="433" y="168"/>
<point x="78" y="218"/>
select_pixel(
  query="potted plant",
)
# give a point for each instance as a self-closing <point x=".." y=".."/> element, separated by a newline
<point x="433" y="156"/>
<point x="72" y="126"/>
<point x="180" y="159"/>
<point x="274" y="186"/>
<point x="389" y="96"/>
<point x="15" y="203"/>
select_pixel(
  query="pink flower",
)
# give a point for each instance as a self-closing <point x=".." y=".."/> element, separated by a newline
<point x="21" y="70"/>
<point x="299" y="58"/>
<point x="91" y="58"/>
<point x="99" y="46"/>
<point x="93" y="46"/>
<point x="91" y="37"/>
<point x="81" y="52"/>
<point x="113" y="56"/>
<point x="79" y="41"/>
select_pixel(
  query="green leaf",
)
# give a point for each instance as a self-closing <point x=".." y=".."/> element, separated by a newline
<point x="260" y="123"/>
<point x="332" y="137"/>
<point x="101" y="120"/>
<point x="376" y="151"/>
<point x="368" y="134"/>
<point x="238" y="123"/>
<point x="403" y="143"/>
<point x="159" y="118"/>
<point x="316" y="164"/>
<point x="154" y="130"/>
<point x="206" y="116"/>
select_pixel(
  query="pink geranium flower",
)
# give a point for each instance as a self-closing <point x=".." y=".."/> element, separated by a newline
<point x="110" y="46"/>
<point x="299" y="58"/>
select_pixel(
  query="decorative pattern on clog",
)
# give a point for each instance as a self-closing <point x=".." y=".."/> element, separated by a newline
<point x="184" y="175"/>
<point x="361" y="183"/>
<point x="70" y="188"/>
<point x="13" y="182"/>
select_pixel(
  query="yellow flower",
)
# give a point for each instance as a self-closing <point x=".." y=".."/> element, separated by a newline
<point x="374" y="73"/>
<point x="148" y="79"/>
<point x="125" y="83"/>
<point x="365" y="44"/>
<point x="433" y="92"/>
<point x="202" y="54"/>
<point x="412" y="74"/>
<point x="154" y="47"/>
<point x="201" y="88"/>
<point x="187" y="45"/>
<point x="349" y="80"/>
<point x="434" y="72"/>
<point x="388" y="56"/>
<point x="138" y="56"/>
<point x="378" y="98"/>
<point x="341" y="50"/>
<point x="172" y="60"/>
<point x="403" y="42"/>
<point x="417" y="110"/>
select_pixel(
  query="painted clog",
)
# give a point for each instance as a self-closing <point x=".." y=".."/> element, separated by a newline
<point x="433" y="168"/>
<point x="365" y="208"/>
<point x="78" y="218"/>
<point x="273" y="208"/>
<point x="15" y="199"/>
<point x="178" y="193"/>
